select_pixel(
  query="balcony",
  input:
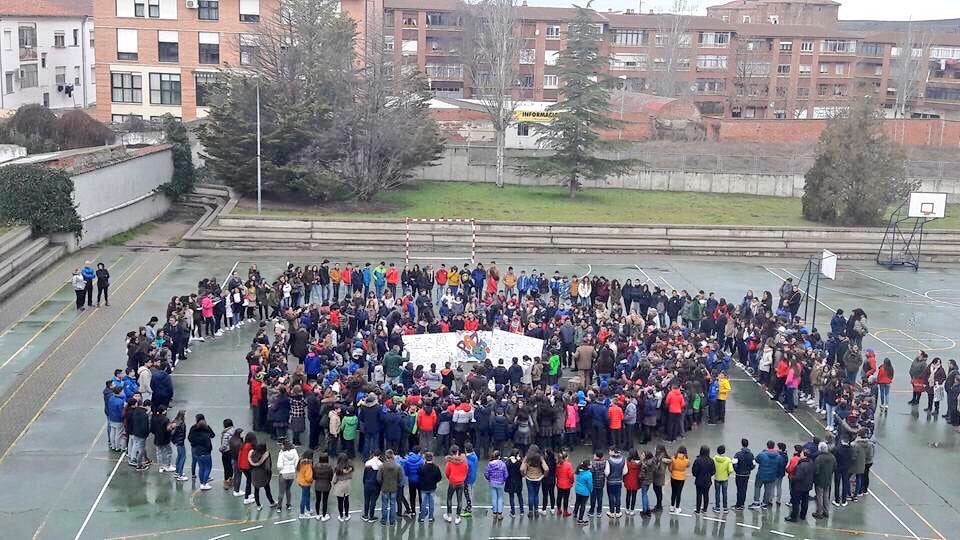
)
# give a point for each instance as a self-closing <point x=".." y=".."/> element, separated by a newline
<point x="447" y="22"/>
<point x="28" y="54"/>
<point x="445" y="72"/>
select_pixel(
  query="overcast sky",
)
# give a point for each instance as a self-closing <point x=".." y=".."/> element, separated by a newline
<point x="851" y="9"/>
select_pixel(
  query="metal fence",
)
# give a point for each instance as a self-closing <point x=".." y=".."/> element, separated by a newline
<point x="722" y="164"/>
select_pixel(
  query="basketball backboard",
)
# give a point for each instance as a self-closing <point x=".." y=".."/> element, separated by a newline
<point x="927" y="205"/>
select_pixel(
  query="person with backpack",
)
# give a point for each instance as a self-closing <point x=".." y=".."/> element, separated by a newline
<point x="305" y="481"/>
<point x="226" y="458"/>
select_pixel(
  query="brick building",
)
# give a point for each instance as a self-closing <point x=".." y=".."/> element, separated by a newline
<point x="789" y="60"/>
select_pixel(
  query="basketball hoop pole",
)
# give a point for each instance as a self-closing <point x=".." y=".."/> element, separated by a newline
<point x="473" y="241"/>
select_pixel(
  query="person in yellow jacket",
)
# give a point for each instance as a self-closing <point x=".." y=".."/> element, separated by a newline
<point x="305" y="481"/>
<point x="453" y="280"/>
<point x="678" y="474"/>
<point x="722" y="393"/>
<point x="724" y="469"/>
<point x="510" y="283"/>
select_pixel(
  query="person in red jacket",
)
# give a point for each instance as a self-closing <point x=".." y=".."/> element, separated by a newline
<point x="393" y="279"/>
<point x="631" y="481"/>
<point x="426" y="423"/>
<point x="675" y="404"/>
<point x="565" y="479"/>
<point x="884" y="380"/>
<point x="440" y="277"/>
<point x="615" y="416"/>
<point x="456" y="473"/>
<point x="243" y="463"/>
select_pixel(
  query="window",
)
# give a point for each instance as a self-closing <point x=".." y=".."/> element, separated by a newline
<point x="154" y="9"/>
<point x="824" y="68"/>
<point x="873" y="49"/>
<point x="753" y="68"/>
<point x="528" y="56"/>
<point x="805" y="69"/>
<point x="58" y="40"/>
<point x="91" y="39"/>
<point x="138" y="8"/>
<point x="781" y="91"/>
<point x="711" y="62"/>
<point x="126" y="44"/>
<point x="523" y="129"/>
<point x="823" y="89"/>
<point x="714" y="39"/>
<point x="783" y="69"/>
<point x="786" y="46"/>
<point x="409" y="20"/>
<point x="773" y="19"/>
<point x="630" y="38"/>
<point x="8" y="82"/>
<point x="60" y="75"/>
<point x="126" y="88"/>
<point x="389" y="43"/>
<point x="250" y="11"/>
<point x="942" y="94"/>
<point x="550" y="58"/>
<point x="746" y="19"/>
<point x="43" y="60"/>
<point x="838" y="46"/>
<point x="806" y="46"/>
<point x="165" y="88"/>
<point x="628" y="61"/>
<point x="840" y="69"/>
<point x="758" y="45"/>
<point x="553" y="31"/>
<point x="205" y="83"/>
<point x="408" y="47"/>
<point x="93" y="75"/>
<point x="839" y="90"/>
<point x="76" y="37"/>
<point x="123" y="118"/>
<point x="803" y="91"/>
<point x="8" y="40"/>
<point x="248" y="49"/>
<point x="943" y="53"/>
<point x="209" y="48"/>
<point x="710" y="87"/>
<point x="526" y="81"/>
<point x="551" y="81"/>
<point x="30" y="77"/>
<point x="168" y="46"/>
<point x="208" y="10"/>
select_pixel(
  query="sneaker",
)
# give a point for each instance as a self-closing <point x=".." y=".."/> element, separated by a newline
<point x="248" y="500"/>
<point x="726" y="510"/>
<point x="466" y="513"/>
<point x="205" y="487"/>
<point x="835" y="503"/>
<point x="182" y="478"/>
<point x="672" y="509"/>
<point x="447" y="518"/>
<point x="324" y="517"/>
<point x="716" y="510"/>
<point x="259" y="508"/>
<point x="679" y="510"/>
<point x="456" y="520"/>
<point x="237" y="493"/>
<point x="755" y="506"/>
<point x="844" y="503"/>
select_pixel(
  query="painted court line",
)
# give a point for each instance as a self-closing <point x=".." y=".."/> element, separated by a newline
<point x="713" y="519"/>
<point x="248" y="529"/>
<point x="221" y="536"/>
<point x="103" y="490"/>
<point x="291" y="520"/>
<point x="754" y="527"/>
<point x="779" y="533"/>
<point x="904" y="289"/>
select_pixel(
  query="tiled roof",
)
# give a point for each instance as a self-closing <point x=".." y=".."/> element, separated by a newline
<point x="46" y="8"/>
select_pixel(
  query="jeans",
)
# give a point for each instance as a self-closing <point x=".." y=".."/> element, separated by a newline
<point x="614" y="492"/>
<point x="371" y="442"/>
<point x="206" y="465"/>
<point x="305" y="499"/>
<point x="181" y="459"/>
<point x="741" y="482"/>
<point x="370" y="494"/>
<point x="720" y="490"/>
<point x="841" y="486"/>
<point x="388" y="507"/>
<point x="579" y="505"/>
<point x="596" y="501"/>
<point x="427" y="504"/>
<point x="884" y="394"/>
<point x="114" y="429"/>
<point x="767" y="492"/>
<point x="858" y="486"/>
<point x="283" y="494"/>
<point x="165" y="455"/>
<point x="703" y="497"/>
<point x="135" y="453"/>
<point x="644" y="498"/>
<point x="799" y="501"/>
<point x="830" y="416"/>
<point x="533" y="495"/>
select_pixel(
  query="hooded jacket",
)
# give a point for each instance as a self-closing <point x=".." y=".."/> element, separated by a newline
<point x="456" y="470"/>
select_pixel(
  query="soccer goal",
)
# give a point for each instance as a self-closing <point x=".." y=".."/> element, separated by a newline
<point x="456" y="227"/>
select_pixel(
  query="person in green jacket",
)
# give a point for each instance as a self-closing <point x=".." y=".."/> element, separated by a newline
<point x="553" y="369"/>
<point x="392" y="365"/>
<point x="824" y="465"/>
<point x="348" y="430"/>
<point x="724" y="469"/>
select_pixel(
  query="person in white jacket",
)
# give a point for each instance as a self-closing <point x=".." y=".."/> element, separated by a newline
<point x="287" y="461"/>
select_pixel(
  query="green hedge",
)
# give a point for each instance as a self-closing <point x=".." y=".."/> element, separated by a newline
<point x="40" y="197"/>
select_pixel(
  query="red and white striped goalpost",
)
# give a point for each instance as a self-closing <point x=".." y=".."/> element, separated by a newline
<point x="473" y="234"/>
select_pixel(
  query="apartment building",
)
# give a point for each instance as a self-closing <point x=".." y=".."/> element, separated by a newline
<point x="47" y="53"/>
<point x="159" y="56"/>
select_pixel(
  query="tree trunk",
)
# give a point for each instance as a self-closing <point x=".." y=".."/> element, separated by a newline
<point x="501" y="143"/>
<point x="573" y="186"/>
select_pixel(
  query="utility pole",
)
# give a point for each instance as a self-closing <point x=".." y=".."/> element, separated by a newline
<point x="259" y="178"/>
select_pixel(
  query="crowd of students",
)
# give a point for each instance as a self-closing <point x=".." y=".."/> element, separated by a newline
<point x="624" y="369"/>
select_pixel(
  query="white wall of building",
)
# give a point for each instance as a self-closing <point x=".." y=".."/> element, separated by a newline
<point x="75" y="61"/>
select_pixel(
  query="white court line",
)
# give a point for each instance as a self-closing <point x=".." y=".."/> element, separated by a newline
<point x="895" y="286"/>
<point x="684" y="515"/>
<point x="100" y="495"/>
<point x="713" y="519"/>
<point x="589" y="270"/>
<point x="667" y="283"/>
<point x="649" y="280"/>
<point x="908" y="336"/>
<point x="898" y="301"/>
<point x="230" y="273"/>
<point x="778" y="533"/>
<point x="754" y="527"/>
<point x="509" y="538"/>
<point x="248" y="529"/>
<point x="219" y="537"/>
<point x="291" y="520"/>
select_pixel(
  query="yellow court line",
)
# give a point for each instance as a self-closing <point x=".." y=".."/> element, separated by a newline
<point x="858" y="532"/>
<point x="175" y="531"/>
<point x="80" y="362"/>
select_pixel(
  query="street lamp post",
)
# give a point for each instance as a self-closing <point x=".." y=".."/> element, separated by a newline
<point x="259" y="178"/>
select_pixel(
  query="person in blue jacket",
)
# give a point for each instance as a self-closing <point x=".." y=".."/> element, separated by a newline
<point x="411" y="468"/>
<point x="473" y="464"/>
<point x="479" y="279"/>
<point x="769" y="464"/>
<point x="88" y="274"/>
<point x="130" y="384"/>
<point x="371" y="416"/>
<point x="393" y="427"/>
<point x="161" y="384"/>
<point x="583" y="487"/>
<point x="113" y="407"/>
<point x="367" y="278"/>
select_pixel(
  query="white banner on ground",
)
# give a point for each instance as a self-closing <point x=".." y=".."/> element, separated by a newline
<point x="460" y="347"/>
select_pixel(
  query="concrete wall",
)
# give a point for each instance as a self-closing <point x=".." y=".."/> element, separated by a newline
<point x="455" y="165"/>
<point x="11" y="151"/>
<point x="115" y="198"/>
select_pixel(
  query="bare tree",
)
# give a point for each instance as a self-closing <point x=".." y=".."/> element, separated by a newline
<point x="673" y="48"/>
<point x="491" y="49"/>
<point x="750" y="81"/>
<point x="909" y="70"/>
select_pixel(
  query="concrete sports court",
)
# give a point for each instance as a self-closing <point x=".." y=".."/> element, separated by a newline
<point x="61" y="482"/>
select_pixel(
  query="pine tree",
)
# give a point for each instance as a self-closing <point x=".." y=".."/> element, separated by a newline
<point x="858" y="172"/>
<point x="573" y="134"/>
